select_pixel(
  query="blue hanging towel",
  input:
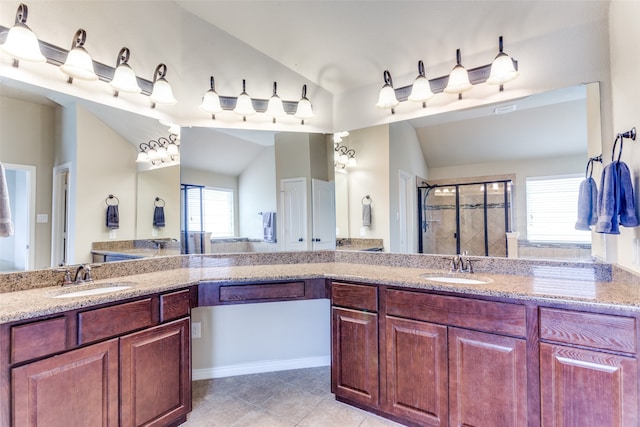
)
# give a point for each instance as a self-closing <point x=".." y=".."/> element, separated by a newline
<point x="113" y="217"/>
<point x="158" y="216"/>
<point x="587" y="204"/>
<point x="616" y="201"/>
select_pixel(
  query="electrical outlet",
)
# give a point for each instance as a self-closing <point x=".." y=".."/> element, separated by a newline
<point x="363" y="231"/>
<point x="196" y="330"/>
<point x="154" y="232"/>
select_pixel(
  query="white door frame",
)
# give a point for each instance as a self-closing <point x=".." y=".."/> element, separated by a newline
<point x="60" y="215"/>
<point x="406" y="205"/>
<point x="31" y="208"/>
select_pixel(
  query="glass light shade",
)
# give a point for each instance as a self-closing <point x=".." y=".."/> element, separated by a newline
<point x="161" y="152"/>
<point x="352" y="161"/>
<point x="124" y="80"/>
<point x="275" y="108"/>
<point x="22" y="44"/>
<point x="211" y="102"/>
<point x="244" y="106"/>
<point x="387" y="97"/>
<point x="172" y="150"/>
<point x="142" y="157"/>
<point x="458" y="80"/>
<point x="304" y="110"/>
<point x="162" y="93"/>
<point x="421" y="90"/>
<point x="502" y="70"/>
<point x="152" y="155"/>
<point x="79" y="65"/>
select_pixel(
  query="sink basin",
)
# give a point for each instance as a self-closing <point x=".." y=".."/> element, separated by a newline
<point x="461" y="280"/>
<point x="105" y="288"/>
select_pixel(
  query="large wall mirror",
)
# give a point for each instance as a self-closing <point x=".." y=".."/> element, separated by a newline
<point x="545" y="135"/>
<point x="44" y="133"/>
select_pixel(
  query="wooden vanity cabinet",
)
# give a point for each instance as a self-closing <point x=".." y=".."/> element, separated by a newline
<point x="354" y="338"/>
<point x="122" y="364"/>
<point x="589" y="369"/>
<point x="455" y="361"/>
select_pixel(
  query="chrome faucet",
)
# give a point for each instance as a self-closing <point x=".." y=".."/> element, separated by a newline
<point x="83" y="274"/>
<point x="461" y="264"/>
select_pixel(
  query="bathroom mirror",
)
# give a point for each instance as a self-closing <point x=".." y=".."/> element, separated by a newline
<point x="547" y="134"/>
<point x="91" y="150"/>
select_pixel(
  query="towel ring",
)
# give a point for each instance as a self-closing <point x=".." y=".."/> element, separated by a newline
<point x="111" y="197"/>
<point x="367" y="197"/>
<point x="630" y="134"/>
<point x="157" y="202"/>
<point x="589" y="172"/>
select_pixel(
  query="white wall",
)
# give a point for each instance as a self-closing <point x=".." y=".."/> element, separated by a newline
<point x="405" y="155"/>
<point x="105" y="165"/>
<point x="27" y="137"/>
<point x="370" y="177"/>
<point x="160" y="183"/>
<point x="257" y="192"/>
<point x="625" y="68"/>
<point x="250" y="338"/>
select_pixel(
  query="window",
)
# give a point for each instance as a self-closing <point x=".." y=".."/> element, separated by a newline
<point x="552" y="209"/>
<point x="217" y="210"/>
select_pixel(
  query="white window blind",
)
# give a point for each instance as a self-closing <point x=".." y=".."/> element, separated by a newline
<point x="216" y="215"/>
<point x="552" y="209"/>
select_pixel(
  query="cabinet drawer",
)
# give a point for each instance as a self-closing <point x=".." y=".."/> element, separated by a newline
<point x="600" y="331"/>
<point x="37" y="339"/>
<point x="360" y="297"/>
<point x="94" y="325"/>
<point x="174" y="305"/>
<point x="488" y="316"/>
<point x="263" y="291"/>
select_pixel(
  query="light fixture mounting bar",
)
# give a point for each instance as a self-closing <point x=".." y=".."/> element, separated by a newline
<point x="260" y="105"/>
<point x="476" y="76"/>
<point x="56" y="56"/>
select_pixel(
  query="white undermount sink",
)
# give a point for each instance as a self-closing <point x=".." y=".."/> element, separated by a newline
<point x="461" y="280"/>
<point x="105" y="288"/>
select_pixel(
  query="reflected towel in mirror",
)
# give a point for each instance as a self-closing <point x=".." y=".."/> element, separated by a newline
<point x="587" y="200"/>
<point x="366" y="215"/>
<point x="113" y="217"/>
<point x="6" y="226"/>
<point x="158" y="216"/>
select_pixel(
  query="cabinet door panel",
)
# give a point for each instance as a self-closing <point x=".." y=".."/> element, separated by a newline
<point x="587" y="388"/>
<point x="354" y="365"/>
<point x="75" y="389"/>
<point x="487" y="379"/>
<point x="417" y="371"/>
<point x="155" y="367"/>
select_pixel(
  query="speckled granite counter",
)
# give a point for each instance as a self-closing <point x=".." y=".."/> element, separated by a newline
<point x="581" y="284"/>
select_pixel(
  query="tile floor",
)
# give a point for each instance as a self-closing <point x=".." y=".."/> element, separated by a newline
<point x="299" y="397"/>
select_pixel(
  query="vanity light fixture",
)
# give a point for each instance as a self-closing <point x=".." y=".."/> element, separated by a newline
<point x="275" y="108"/>
<point x="161" y="93"/>
<point x="387" y="97"/>
<point x="459" y="78"/>
<point x="421" y="89"/>
<point x="79" y="63"/>
<point x="244" y="106"/>
<point x="21" y="42"/>
<point x="211" y="100"/>
<point x="502" y="69"/>
<point x="160" y="151"/>
<point x="343" y="156"/>
<point x="124" y="79"/>
<point x="304" y="110"/>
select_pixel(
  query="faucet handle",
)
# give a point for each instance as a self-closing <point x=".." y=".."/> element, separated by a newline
<point x="66" y="280"/>
<point x="87" y="273"/>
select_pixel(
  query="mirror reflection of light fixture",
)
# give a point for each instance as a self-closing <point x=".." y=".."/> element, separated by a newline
<point x="459" y="78"/>
<point x="275" y="108"/>
<point x="502" y="69"/>
<point x="124" y="79"/>
<point x="163" y="151"/>
<point x="343" y="156"/>
<point x="304" y="110"/>
<point x="21" y="42"/>
<point x="162" y="93"/>
<point x="79" y="64"/>
<point x="244" y="106"/>
<point x="421" y="89"/>
<point x="387" y="97"/>
<point x="211" y="100"/>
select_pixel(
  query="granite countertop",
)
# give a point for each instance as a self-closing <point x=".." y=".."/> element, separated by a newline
<point x="138" y="252"/>
<point x="560" y="285"/>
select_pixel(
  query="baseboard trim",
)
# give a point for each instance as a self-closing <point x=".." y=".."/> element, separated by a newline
<point x="259" y="367"/>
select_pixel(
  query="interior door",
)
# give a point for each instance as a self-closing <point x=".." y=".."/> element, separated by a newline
<point x="293" y="196"/>
<point x="323" y="219"/>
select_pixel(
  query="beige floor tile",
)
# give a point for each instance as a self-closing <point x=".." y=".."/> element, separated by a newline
<point x="330" y="413"/>
<point x="261" y="418"/>
<point x="374" y="421"/>
<point x="291" y="403"/>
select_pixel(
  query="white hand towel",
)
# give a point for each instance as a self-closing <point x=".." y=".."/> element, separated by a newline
<point x="366" y="215"/>
<point x="6" y="226"/>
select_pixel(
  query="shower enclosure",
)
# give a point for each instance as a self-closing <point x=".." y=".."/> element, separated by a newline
<point x="470" y="217"/>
